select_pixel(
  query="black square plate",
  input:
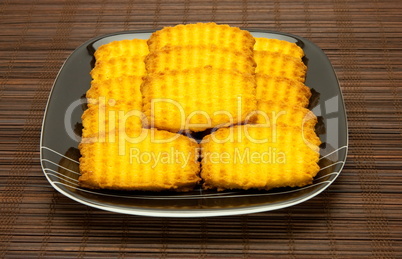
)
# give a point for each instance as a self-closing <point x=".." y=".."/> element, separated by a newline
<point x="61" y="135"/>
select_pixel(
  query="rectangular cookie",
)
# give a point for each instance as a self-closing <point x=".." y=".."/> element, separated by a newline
<point x="122" y="48"/>
<point x="254" y="157"/>
<point x="282" y="46"/>
<point x="199" y="56"/>
<point x="202" y="34"/>
<point x="278" y="64"/>
<point x="198" y="99"/>
<point x="149" y="160"/>
<point x="281" y="89"/>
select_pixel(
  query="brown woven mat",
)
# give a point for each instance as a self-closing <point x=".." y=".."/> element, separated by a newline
<point x="359" y="216"/>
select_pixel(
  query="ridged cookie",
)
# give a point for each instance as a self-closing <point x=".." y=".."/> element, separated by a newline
<point x="282" y="46"/>
<point x="154" y="161"/>
<point x="272" y="113"/>
<point x="198" y="56"/>
<point x="122" y="48"/>
<point x="117" y="67"/>
<point x="198" y="99"/>
<point x="281" y="89"/>
<point x="107" y="120"/>
<point x="278" y="64"/>
<point x="246" y="157"/>
<point x="202" y="34"/>
<point x="121" y="89"/>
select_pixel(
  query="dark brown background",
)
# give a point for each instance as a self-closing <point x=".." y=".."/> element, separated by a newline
<point x="359" y="216"/>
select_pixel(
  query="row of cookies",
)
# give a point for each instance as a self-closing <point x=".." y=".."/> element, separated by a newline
<point x="117" y="151"/>
<point x="282" y="149"/>
<point x="200" y="76"/>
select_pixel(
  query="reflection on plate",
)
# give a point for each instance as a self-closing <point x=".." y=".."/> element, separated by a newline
<point x="62" y="126"/>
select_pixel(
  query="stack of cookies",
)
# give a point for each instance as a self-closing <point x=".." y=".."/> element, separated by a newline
<point x="282" y="148"/>
<point x="202" y="74"/>
<point x="117" y="152"/>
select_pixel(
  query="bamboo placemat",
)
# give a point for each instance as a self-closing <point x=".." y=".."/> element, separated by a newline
<point x="359" y="216"/>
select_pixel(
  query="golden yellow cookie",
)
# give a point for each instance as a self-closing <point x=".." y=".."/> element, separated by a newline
<point x="202" y="34"/>
<point x="250" y="156"/>
<point x="277" y="64"/>
<point x="121" y="89"/>
<point x="198" y="99"/>
<point x="272" y="113"/>
<point x="198" y="56"/>
<point x="125" y="48"/>
<point x="117" y="67"/>
<point x="281" y="89"/>
<point x="153" y="161"/>
<point x="106" y="120"/>
<point x="282" y="46"/>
